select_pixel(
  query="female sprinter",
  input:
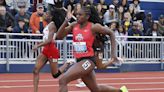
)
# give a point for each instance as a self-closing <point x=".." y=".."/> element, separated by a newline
<point x="83" y="38"/>
<point x="98" y="45"/>
<point x="50" y="52"/>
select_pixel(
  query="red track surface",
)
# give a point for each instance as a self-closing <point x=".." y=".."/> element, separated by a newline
<point x="135" y="82"/>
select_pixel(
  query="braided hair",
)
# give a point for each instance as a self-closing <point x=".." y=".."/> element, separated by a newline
<point x="94" y="18"/>
<point x="59" y="15"/>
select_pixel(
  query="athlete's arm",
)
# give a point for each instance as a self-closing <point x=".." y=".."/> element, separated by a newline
<point x="65" y="28"/>
<point x="97" y="28"/>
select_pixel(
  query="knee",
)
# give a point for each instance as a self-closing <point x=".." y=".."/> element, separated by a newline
<point x="97" y="89"/>
<point x="62" y="81"/>
<point x="35" y="71"/>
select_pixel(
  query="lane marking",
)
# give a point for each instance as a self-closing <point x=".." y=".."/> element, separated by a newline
<point x="56" y="85"/>
<point x="140" y="78"/>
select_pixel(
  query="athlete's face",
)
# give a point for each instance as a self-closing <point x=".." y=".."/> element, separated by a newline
<point x="48" y="16"/>
<point x="81" y="16"/>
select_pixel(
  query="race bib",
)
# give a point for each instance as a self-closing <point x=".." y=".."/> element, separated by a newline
<point x="80" y="46"/>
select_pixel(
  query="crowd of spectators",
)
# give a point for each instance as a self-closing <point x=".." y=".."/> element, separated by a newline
<point x="123" y="17"/>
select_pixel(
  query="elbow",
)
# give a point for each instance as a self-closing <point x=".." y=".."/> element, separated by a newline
<point x="59" y="37"/>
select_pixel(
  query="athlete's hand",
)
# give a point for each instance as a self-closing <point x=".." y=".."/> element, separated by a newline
<point x="69" y="16"/>
<point x="35" y="48"/>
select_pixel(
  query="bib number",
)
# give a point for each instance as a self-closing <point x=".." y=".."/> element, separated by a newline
<point x="80" y="46"/>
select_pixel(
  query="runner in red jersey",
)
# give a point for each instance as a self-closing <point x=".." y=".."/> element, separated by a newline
<point x="49" y="53"/>
<point x="83" y="37"/>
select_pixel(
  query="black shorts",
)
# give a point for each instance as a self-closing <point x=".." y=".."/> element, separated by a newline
<point x="93" y="59"/>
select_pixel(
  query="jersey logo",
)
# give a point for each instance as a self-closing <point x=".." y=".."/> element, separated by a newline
<point x="79" y="37"/>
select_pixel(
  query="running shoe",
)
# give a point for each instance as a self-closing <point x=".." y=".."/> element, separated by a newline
<point x="71" y="61"/>
<point x="124" y="89"/>
<point x="80" y="85"/>
<point x="118" y="63"/>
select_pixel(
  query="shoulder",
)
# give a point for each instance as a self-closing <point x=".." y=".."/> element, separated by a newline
<point x="73" y="24"/>
<point x="96" y="26"/>
<point x="51" y="25"/>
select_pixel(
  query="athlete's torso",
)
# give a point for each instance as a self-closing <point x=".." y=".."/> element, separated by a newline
<point x="50" y="50"/>
<point x="46" y="32"/>
<point x="83" y="39"/>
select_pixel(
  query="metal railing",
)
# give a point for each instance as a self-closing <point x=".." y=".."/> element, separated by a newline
<point x="20" y="50"/>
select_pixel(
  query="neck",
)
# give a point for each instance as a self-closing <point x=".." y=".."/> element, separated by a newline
<point x="83" y="24"/>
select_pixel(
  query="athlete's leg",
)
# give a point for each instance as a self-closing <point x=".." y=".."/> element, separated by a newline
<point x="41" y="61"/>
<point x="55" y="71"/>
<point x="53" y="66"/>
<point x="90" y="81"/>
<point x="76" y="71"/>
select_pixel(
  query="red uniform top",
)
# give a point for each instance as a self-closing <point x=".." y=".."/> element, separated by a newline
<point x="50" y="50"/>
<point x="82" y="41"/>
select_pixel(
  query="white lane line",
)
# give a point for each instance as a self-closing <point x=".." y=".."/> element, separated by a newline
<point x="139" y="78"/>
<point x="137" y="89"/>
<point x="56" y="85"/>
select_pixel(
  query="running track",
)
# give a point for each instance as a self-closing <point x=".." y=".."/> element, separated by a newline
<point x="135" y="82"/>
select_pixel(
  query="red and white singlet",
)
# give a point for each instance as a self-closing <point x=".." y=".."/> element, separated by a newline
<point x="50" y="50"/>
<point x="82" y="41"/>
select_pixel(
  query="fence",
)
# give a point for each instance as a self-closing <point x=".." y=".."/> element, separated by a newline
<point x="14" y="50"/>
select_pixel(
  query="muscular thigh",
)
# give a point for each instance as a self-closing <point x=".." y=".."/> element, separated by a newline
<point x="79" y="70"/>
<point x="90" y="81"/>
<point x="53" y="65"/>
<point x="41" y="61"/>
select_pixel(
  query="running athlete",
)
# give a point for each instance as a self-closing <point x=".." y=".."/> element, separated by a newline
<point x="49" y="53"/>
<point x="98" y="46"/>
<point x="83" y="38"/>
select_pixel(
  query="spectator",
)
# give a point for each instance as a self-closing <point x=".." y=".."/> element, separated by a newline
<point x="140" y="25"/>
<point x="153" y="31"/>
<point x="161" y="25"/>
<point x="116" y="4"/>
<point x="83" y="2"/>
<point x="110" y="14"/>
<point x="35" y="2"/>
<point x="3" y="3"/>
<point x="127" y="21"/>
<point x="77" y="8"/>
<point x="134" y="31"/>
<point x="91" y="2"/>
<point x="100" y="10"/>
<point x="9" y="7"/>
<point x="148" y="22"/>
<point x="136" y="5"/>
<point x="120" y="14"/>
<point x="71" y="3"/>
<point x="104" y="5"/>
<point x="37" y="22"/>
<point x="23" y="46"/>
<point x="125" y="4"/>
<point x="6" y="20"/>
<point x="20" y="28"/>
<point x="113" y="26"/>
<point x="122" y="32"/>
<point x="14" y="4"/>
<point x="22" y="14"/>
<point x="131" y="11"/>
